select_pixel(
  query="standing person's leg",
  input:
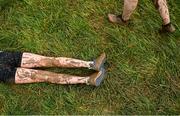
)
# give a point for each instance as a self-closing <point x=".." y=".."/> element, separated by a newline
<point x="129" y="7"/>
<point x="23" y="76"/>
<point x="30" y="60"/>
<point x="162" y="7"/>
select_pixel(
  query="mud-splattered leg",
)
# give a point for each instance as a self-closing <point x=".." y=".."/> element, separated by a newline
<point x="161" y="5"/>
<point x="30" y="60"/>
<point x="129" y="7"/>
<point x="36" y="76"/>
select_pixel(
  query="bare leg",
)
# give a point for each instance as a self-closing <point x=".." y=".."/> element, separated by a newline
<point x="161" y="5"/>
<point x="129" y="7"/>
<point x="30" y="60"/>
<point x="35" y="76"/>
<point x="24" y="76"/>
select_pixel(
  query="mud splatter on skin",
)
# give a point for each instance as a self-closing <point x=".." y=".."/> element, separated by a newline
<point x="33" y="60"/>
<point x="163" y="10"/>
<point x="161" y="5"/>
<point x="35" y="76"/>
<point x="129" y="7"/>
<point x="30" y="60"/>
<point x="26" y="76"/>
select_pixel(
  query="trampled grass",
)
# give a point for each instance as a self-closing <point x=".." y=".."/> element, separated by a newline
<point x="143" y="66"/>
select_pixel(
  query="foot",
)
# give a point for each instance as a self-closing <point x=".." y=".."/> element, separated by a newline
<point x="168" y="28"/>
<point x="96" y="78"/>
<point x="117" y="19"/>
<point x="99" y="62"/>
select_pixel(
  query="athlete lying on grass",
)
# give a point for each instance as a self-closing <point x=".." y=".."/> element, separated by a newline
<point x="15" y="67"/>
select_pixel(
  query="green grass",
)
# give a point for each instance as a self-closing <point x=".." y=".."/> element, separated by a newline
<point x="143" y="66"/>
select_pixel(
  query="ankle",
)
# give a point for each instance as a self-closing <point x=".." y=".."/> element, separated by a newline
<point x="168" y="24"/>
<point x="87" y="81"/>
<point x="91" y="65"/>
<point x="123" y="20"/>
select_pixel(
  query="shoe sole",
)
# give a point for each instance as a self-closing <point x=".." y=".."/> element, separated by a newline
<point x="102" y="64"/>
<point x="100" y="78"/>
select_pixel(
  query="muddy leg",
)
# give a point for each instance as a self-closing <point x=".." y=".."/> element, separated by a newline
<point x="161" y="5"/>
<point x="129" y="7"/>
<point x="23" y="76"/>
<point x="30" y="60"/>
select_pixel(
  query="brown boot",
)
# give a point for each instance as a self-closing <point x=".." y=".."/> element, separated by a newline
<point x="117" y="19"/>
<point x="168" y="28"/>
<point x="96" y="78"/>
<point x="99" y="62"/>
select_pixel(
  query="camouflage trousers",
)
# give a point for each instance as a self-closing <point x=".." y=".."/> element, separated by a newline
<point x="161" y="5"/>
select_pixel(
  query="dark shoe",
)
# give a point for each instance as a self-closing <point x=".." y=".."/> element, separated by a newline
<point x="117" y="19"/>
<point x="168" y="28"/>
<point x="96" y="78"/>
<point x="99" y="62"/>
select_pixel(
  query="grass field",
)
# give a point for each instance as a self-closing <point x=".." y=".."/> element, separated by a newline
<point x="143" y="66"/>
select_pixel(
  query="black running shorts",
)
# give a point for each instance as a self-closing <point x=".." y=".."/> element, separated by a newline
<point x="9" y="61"/>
